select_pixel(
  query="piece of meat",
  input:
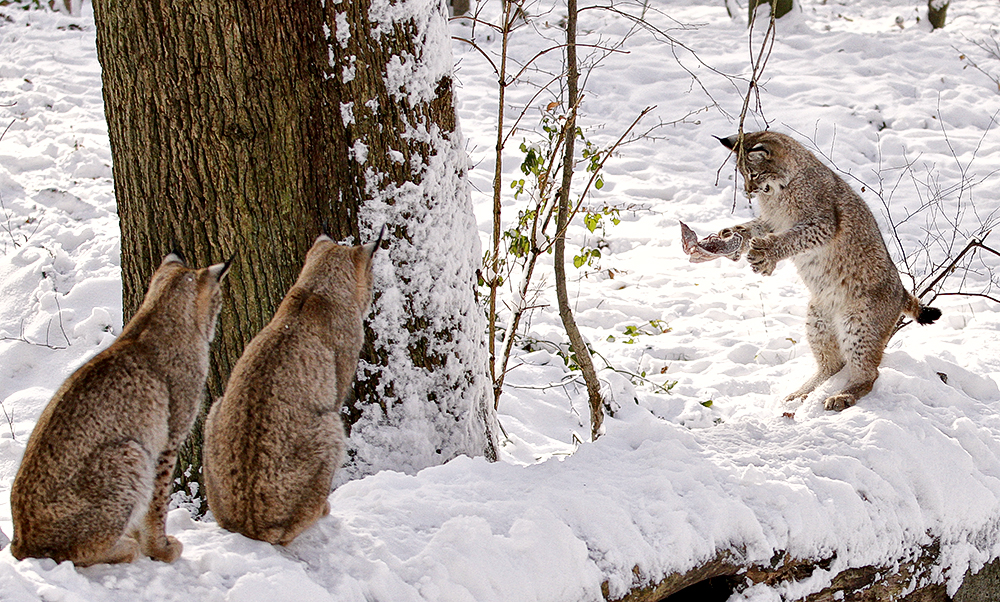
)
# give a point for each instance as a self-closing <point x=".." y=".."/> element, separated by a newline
<point x="710" y="247"/>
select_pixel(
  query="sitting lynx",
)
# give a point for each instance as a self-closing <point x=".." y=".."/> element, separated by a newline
<point x="274" y="440"/>
<point x="810" y="215"/>
<point x="94" y="481"/>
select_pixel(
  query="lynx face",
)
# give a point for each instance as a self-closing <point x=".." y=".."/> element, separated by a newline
<point x="768" y="162"/>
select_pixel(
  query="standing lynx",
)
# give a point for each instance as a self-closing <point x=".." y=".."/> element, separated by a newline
<point x="94" y="481"/>
<point x="274" y="440"/>
<point x="810" y="215"/>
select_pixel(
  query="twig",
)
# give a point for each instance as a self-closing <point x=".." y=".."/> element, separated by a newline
<point x="62" y="329"/>
<point x="4" y="133"/>
<point x="753" y="89"/>
<point x="991" y="52"/>
<point x="23" y="339"/>
<point x="10" y="420"/>
<point x="972" y="244"/>
<point x="477" y="48"/>
<point x="674" y="44"/>
<point x="542" y="53"/>
<point x="475" y="19"/>
<point x="593" y="176"/>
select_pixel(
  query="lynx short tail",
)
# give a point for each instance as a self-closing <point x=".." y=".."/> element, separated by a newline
<point x="923" y="314"/>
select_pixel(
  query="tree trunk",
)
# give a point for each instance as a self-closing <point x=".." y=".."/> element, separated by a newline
<point x="229" y="134"/>
<point x="459" y="7"/>
<point x="576" y="340"/>
<point x="937" y="11"/>
<point x="983" y="586"/>
<point x="780" y="7"/>
<point x="423" y="391"/>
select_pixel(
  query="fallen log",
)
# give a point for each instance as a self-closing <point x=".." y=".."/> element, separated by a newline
<point x="909" y="580"/>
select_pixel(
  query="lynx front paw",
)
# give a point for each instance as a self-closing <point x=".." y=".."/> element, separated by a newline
<point x="761" y="255"/>
<point x="742" y="231"/>
<point x="839" y="402"/>
<point x="736" y="239"/>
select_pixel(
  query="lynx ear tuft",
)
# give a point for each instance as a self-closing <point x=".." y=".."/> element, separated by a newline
<point x="729" y="142"/>
<point x="323" y="236"/>
<point x="219" y="270"/>
<point x="371" y="247"/>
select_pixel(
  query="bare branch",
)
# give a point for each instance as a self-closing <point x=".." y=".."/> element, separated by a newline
<point x="476" y="19"/>
<point x="480" y="51"/>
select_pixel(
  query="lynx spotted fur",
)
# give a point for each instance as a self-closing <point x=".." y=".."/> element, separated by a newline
<point x="274" y="440"/>
<point x="810" y="215"/>
<point x="94" y="481"/>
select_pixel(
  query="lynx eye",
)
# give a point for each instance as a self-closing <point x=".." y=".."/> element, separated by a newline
<point x="758" y="148"/>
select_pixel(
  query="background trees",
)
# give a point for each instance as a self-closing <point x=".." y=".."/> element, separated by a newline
<point x="248" y="128"/>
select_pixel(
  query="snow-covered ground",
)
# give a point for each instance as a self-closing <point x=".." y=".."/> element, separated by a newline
<point x="675" y="478"/>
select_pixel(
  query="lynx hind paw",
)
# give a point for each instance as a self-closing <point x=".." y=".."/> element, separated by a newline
<point x="168" y="553"/>
<point x="839" y="402"/>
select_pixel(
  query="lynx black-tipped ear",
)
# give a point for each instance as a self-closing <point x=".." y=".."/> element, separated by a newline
<point x="175" y="249"/>
<point x="219" y="270"/>
<point x="174" y="256"/>
<point x="371" y="247"/>
<point x="324" y="228"/>
<point x="729" y="142"/>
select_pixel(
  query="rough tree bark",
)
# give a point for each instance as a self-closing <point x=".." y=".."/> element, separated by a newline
<point x="937" y="12"/>
<point x="231" y="131"/>
<point x="428" y="364"/>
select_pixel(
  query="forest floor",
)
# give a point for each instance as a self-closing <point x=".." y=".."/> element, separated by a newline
<point x="701" y="454"/>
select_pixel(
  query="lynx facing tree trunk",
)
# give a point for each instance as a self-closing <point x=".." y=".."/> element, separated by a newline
<point x="257" y="125"/>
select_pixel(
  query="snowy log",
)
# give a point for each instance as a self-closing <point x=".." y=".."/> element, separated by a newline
<point x="722" y="565"/>
<point x="908" y="580"/>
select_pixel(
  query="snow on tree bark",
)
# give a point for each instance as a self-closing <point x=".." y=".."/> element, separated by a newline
<point x="427" y="365"/>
